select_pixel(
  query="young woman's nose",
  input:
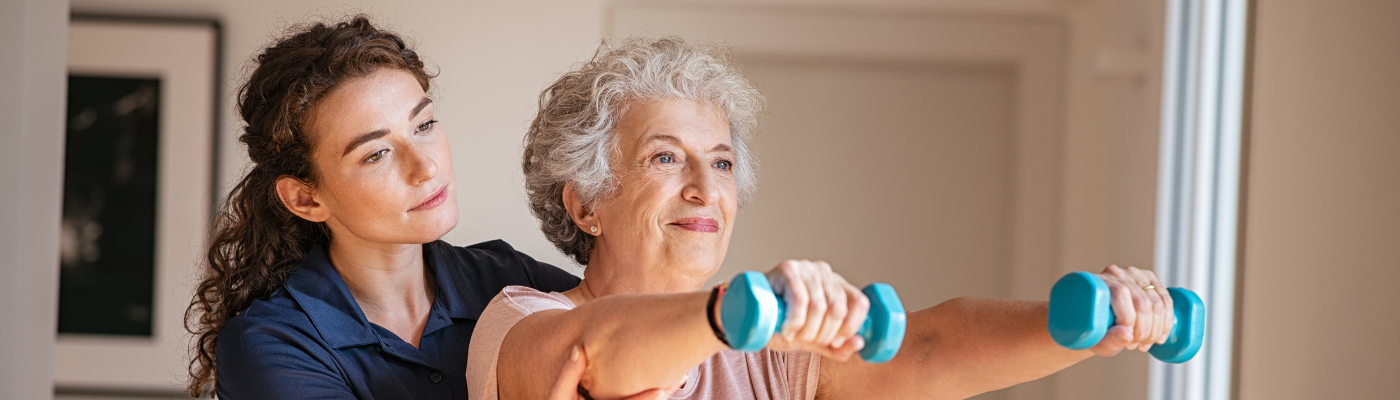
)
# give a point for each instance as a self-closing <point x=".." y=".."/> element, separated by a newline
<point x="421" y="165"/>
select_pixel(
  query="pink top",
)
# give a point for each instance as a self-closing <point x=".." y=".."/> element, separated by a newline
<point x="729" y="374"/>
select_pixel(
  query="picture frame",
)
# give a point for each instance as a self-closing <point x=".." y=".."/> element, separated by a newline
<point x="184" y="56"/>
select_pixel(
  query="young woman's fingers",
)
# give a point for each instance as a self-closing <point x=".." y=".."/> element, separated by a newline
<point x="566" y="387"/>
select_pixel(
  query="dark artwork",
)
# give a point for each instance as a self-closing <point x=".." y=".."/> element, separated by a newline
<point x="107" y="276"/>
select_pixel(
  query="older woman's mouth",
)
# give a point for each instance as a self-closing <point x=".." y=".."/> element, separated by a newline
<point x="434" y="200"/>
<point x="708" y="225"/>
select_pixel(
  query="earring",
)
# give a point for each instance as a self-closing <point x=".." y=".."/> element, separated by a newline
<point x="593" y="229"/>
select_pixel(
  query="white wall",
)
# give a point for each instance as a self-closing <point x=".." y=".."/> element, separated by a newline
<point x="32" y="92"/>
<point x="1321" y="256"/>
<point x="495" y="56"/>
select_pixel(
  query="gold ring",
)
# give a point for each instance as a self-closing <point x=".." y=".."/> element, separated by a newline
<point x="1149" y="287"/>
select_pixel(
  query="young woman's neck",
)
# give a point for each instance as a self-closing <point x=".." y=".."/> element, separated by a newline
<point x="388" y="281"/>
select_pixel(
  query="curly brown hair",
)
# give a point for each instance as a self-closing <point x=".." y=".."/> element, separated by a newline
<point x="255" y="242"/>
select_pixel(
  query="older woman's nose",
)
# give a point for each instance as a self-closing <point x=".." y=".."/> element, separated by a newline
<point x="702" y="184"/>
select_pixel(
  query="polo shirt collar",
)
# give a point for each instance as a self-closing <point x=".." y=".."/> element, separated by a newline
<point x="320" y="291"/>
<point x="449" y="291"/>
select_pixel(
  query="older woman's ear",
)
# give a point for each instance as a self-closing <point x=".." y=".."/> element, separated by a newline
<point x="581" y="213"/>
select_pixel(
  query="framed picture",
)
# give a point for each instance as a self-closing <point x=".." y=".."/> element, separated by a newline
<point x="140" y="160"/>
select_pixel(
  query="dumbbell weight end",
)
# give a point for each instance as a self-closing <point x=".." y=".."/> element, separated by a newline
<point x="1081" y="313"/>
<point x="751" y="313"/>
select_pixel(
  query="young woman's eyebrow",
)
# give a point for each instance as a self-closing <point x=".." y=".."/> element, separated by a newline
<point x="419" y="108"/>
<point x="380" y="133"/>
<point x="364" y="138"/>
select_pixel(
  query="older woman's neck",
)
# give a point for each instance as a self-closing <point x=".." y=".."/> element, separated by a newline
<point x="602" y="279"/>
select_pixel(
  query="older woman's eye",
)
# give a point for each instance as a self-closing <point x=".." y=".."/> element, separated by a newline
<point x="724" y="165"/>
<point x="665" y="159"/>
<point x="426" y="126"/>
<point x="378" y="155"/>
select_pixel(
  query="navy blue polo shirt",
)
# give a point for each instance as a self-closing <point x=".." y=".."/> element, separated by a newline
<point x="309" y="339"/>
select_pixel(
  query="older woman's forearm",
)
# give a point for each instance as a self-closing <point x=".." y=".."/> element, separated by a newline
<point x="985" y="344"/>
<point x="638" y="342"/>
<point x="958" y="349"/>
<point x="632" y="343"/>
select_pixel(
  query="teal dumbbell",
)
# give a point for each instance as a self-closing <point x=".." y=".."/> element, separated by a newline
<point x="751" y="313"/>
<point x="1080" y="315"/>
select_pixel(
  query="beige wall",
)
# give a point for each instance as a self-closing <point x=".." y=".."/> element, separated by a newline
<point x="1321" y="257"/>
<point x="495" y="56"/>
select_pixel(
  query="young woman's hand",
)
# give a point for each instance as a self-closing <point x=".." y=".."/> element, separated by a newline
<point x="824" y="312"/>
<point x="1142" y="309"/>
<point x="567" y="387"/>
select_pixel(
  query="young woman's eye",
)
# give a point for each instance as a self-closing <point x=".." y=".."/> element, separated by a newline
<point x="378" y="155"/>
<point x="724" y="165"/>
<point x="426" y="126"/>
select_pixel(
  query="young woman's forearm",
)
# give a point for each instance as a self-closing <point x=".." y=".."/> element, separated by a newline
<point x="632" y="343"/>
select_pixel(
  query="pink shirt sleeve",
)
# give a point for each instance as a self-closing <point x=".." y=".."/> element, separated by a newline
<point x="513" y="304"/>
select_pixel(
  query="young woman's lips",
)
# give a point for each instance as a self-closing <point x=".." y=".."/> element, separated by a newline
<point x="707" y="225"/>
<point x="435" y="200"/>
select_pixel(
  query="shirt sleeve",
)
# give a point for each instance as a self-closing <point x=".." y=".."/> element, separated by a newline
<point x="256" y="361"/>
<point x="513" y="304"/>
<point x="803" y="370"/>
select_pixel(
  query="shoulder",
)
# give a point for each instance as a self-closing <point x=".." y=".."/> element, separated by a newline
<point x="507" y="309"/>
<point x="496" y="264"/>
<point x="271" y="350"/>
<point x="276" y="325"/>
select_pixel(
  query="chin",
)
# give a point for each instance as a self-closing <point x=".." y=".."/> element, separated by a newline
<point x="434" y="228"/>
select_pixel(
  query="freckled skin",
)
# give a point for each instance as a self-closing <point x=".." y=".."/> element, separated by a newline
<point x="371" y="190"/>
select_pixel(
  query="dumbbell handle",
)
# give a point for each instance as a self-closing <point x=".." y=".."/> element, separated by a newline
<point x="1081" y="313"/>
<point x="752" y="313"/>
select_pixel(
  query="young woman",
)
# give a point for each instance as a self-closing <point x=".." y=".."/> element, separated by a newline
<point x="325" y="275"/>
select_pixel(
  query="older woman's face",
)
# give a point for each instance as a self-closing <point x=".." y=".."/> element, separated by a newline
<point x="677" y="198"/>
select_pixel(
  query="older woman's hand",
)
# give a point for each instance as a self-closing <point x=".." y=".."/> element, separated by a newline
<point x="824" y="312"/>
<point x="1142" y="309"/>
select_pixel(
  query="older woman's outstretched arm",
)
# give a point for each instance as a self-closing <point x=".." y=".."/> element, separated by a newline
<point x="633" y="343"/>
<point x="967" y="346"/>
<point x="638" y="342"/>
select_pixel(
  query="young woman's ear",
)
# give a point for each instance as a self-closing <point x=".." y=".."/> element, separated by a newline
<point x="300" y="199"/>
<point x="582" y="215"/>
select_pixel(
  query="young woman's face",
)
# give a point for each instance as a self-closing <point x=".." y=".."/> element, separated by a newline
<point x="384" y="167"/>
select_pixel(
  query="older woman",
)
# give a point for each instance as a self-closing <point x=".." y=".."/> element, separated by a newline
<point x="636" y="166"/>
